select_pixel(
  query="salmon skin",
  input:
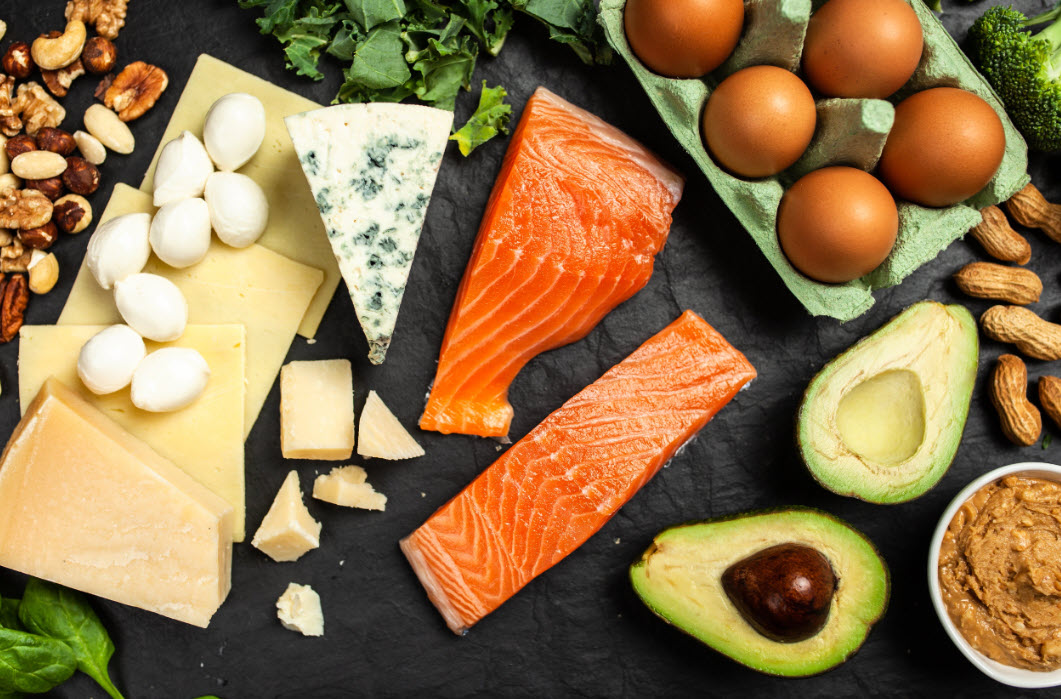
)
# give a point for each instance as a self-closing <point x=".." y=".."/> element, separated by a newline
<point x="574" y="221"/>
<point x="562" y="482"/>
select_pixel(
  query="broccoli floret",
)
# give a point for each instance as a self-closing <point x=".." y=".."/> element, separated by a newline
<point x="1024" y="69"/>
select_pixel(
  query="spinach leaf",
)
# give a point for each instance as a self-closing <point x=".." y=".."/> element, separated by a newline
<point x="490" y="117"/>
<point x="65" y="615"/>
<point x="369" y="13"/>
<point x="9" y="614"/>
<point x="33" y="664"/>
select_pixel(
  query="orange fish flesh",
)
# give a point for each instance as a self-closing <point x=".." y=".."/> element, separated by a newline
<point x="574" y="221"/>
<point x="562" y="482"/>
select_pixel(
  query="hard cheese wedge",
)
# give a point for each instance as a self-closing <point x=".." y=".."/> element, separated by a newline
<point x="382" y="436"/>
<point x="288" y="530"/>
<point x="255" y="287"/>
<point x="85" y="504"/>
<point x="576" y="217"/>
<point x="372" y="168"/>
<point x="562" y="482"/>
<point x="294" y="230"/>
<point x="317" y="410"/>
<point x="204" y="439"/>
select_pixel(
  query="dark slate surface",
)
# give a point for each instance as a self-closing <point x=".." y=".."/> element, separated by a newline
<point x="578" y="630"/>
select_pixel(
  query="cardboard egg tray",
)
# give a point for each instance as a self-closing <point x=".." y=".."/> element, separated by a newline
<point x="849" y="132"/>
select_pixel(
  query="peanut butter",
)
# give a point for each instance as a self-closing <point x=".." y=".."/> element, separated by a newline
<point x="1000" y="572"/>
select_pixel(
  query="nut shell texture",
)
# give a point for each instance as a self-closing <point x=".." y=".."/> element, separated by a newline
<point x="182" y="170"/>
<point x="234" y="130"/>
<point x="108" y="360"/>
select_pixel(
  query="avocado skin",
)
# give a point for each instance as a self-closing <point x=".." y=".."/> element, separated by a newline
<point x="642" y="587"/>
<point x="930" y="467"/>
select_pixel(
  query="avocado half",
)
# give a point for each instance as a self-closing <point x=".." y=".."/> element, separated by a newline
<point x="882" y="421"/>
<point x="680" y="579"/>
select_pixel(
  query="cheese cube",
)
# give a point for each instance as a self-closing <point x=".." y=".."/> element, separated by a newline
<point x="87" y="505"/>
<point x="346" y="486"/>
<point x="299" y="609"/>
<point x="317" y="410"/>
<point x="288" y="530"/>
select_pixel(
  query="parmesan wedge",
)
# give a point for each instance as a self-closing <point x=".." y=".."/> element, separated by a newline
<point x="346" y="486"/>
<point x="382" y="436"/>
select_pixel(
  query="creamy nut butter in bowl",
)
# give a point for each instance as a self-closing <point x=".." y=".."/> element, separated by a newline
<point x="994" y="574"/>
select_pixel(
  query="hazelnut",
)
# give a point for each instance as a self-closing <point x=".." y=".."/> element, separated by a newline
<point x="40" y="238"/>
<point x="55" y="140"/>
<point x="72" y="213"/>
<point x="52" y="187"/>
<point x="81" y="177"/>
<point x="20" y="144"/>
<point x="17" y="61"/>
<point x="99" y="55"/>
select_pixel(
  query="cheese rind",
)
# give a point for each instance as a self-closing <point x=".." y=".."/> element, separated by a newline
<point x="382" y="436"/>
<point x="254" y="287"/>
<point x="293" y="231"/>
<point x="205" y="439"/>
<point x="346" y="486"/>
<point x="299" y="609"/>
<point x="288" y="530"/>
<point x="372" y="168"/>
<point x="317" y="410"/>
<point x="85" y="504"/>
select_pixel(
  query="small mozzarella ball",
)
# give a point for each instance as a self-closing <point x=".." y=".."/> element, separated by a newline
<point x="108" y="360"/>
<point x="180" y="232"/>
<point x="169" y="379"/>
<point x="234" y="130"/>
<point x="152" y="306"/>
<point x="238" y="208"/>
<point x="118" y="248"/>
<point x="182" y="169"/>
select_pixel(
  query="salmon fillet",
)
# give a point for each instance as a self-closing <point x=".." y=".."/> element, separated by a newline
<point x="562" y="482"/>
<point x="574" y="221"/>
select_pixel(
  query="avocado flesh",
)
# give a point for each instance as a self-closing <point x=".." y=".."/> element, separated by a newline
<point x="680" y="579"/>
<point x="883" y="420"/>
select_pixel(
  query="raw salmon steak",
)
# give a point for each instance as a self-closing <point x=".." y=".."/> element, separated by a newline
<point x="574" y="221"/>
<point x="562" y="482"/>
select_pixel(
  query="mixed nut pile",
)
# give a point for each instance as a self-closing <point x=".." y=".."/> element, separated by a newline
<point x="46" y="173"/>
<point x="1027" y="331"/>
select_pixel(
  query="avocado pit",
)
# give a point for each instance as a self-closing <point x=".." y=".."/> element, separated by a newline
<point x="784" y="592"/>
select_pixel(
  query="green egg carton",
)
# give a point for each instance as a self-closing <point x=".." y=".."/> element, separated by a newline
<point x="849" y="132"/>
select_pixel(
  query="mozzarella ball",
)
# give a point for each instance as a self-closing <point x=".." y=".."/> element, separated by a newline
<point x="180" y="232"/>
<point x="234" y="130"/>
<point x="118" y="248"/>
<point x="108" y="360"/>
<point x="239" y="210"/>
<point x="182" y="169"/>
<point x="169" y="379"/>
<point x="152" y="306"/>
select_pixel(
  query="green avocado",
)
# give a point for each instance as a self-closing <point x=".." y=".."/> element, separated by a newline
<point x="681" y="579"/>
<point x="882" y="421"/>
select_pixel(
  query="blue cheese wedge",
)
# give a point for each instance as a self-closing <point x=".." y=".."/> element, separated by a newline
<point x="372" y="168"/>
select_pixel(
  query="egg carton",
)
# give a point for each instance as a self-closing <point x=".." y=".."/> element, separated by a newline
<point x="848" y="132"/>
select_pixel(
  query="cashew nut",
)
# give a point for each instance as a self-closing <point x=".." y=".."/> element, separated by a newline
<point x="53" y="54"/>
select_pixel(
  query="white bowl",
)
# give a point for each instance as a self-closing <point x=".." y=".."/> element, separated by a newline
<point x="1013" y="676"/>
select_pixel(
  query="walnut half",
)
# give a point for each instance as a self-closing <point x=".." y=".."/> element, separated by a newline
<point x="107" y="15"/>
<point x="37" y="108"/>
<point x="24" y="208"/>
<point x="135" y="90"/>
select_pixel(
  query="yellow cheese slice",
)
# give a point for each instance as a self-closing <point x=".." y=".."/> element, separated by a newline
<point x="205" y="438"/>
<point x="295" y="228"/>
<point x="85" y="504"/>
<point x="254" y="287"/>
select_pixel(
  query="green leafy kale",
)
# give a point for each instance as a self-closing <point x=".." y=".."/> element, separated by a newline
<point x="490" y="117"/>
<point x="422" y="49"/>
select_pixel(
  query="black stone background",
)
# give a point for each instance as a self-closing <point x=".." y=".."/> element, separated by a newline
<point x="578" y="630"/>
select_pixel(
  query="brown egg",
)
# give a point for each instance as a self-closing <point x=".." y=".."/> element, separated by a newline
<point x="758" y="121"/>
<point x="683" y="38"/>
<point x="945" y="146"/>
<point x="862" y="48"/>
<point x="837" y="224"/>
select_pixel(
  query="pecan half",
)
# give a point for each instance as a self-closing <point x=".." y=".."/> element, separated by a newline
<point x="15" y="298"/>
<point x="135" y="90"/>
